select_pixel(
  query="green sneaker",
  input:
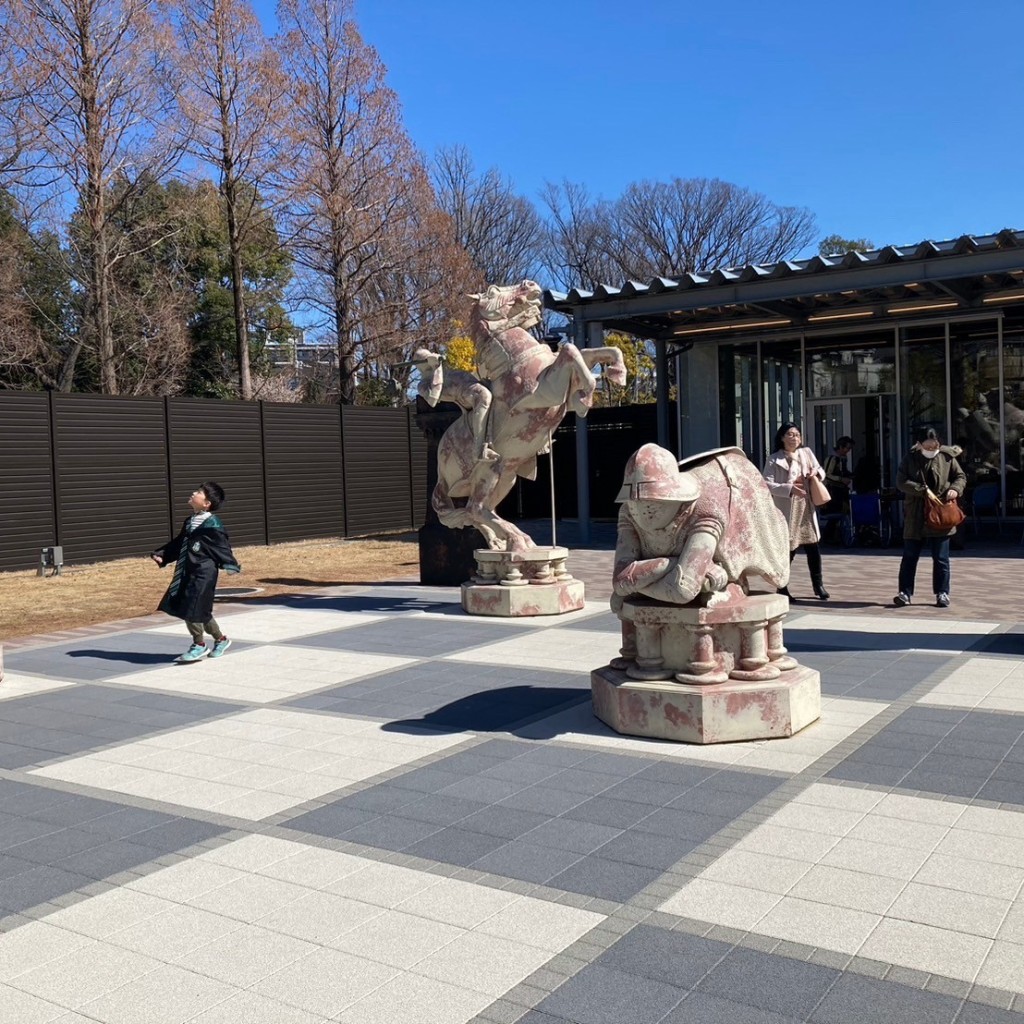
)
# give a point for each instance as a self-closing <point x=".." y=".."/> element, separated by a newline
<point x="220" y="647"/>
<point x="195" y="653"/>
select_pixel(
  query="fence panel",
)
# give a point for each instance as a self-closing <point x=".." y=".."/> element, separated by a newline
<point x="110" y="455"/>
<point x="418" y="458"/>
<point x="305" y="484"/>
<point x="377" y="488"/>
<point x="26" y="470"/>
<point x="221" y="441"/>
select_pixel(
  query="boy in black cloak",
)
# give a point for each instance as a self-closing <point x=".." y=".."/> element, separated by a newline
<point x="197" y="553"/>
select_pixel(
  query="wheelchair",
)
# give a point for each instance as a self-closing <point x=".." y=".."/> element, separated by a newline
<point x="870" y="521"/>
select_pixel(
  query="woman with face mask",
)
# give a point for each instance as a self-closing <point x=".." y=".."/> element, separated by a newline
<point x="786" y="473"/>
<point x="928" y="466"/>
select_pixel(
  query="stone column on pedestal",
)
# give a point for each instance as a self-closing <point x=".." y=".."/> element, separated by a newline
<point x="446" y="555"/>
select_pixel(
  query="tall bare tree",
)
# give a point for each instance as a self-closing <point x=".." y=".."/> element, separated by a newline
<point x="352" y="175"/>
<point x="92" y="65"/>
<point x="500" y="230"/>
<point x="230" y="96"/>
<point x="668" y="229"/>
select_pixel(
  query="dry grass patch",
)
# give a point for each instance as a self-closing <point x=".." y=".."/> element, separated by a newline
<point x="87" y="594"/>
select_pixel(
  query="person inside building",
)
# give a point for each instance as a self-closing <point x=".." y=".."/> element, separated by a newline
<point x="838" y="480"/>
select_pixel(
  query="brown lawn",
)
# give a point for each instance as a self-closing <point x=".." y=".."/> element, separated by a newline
<point x="87" y="594"/>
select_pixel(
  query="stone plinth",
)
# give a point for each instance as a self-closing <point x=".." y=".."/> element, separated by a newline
<point x="715" y="713"/>
<point x="509" y="584"/>
<point x="708" y="672"/>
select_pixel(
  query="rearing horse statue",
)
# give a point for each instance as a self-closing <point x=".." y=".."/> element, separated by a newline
<point x="532" y="388"/>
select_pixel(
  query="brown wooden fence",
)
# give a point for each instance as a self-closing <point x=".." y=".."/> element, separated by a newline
<point x="106" y="476"/>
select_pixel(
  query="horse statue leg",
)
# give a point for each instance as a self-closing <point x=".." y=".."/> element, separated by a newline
<point x="610" y="358"/>
<point x="492" y="481"/>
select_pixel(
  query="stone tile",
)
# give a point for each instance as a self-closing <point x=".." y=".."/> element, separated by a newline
<point x="818" y="924"/>
<point x="605" y="879"/>
<point x="731" y="905"/>
<point x="771" y="874"/>
<point x="1003" y="967"/>
<point x="485" y="963"/>
<point x="768" y="982"/>
<point x="397" y="939"/>
<point x="855" y="998"/>
<point x="707" y="1009"/>
<point x="166" y="996"/>
<point x="402" y="1001"/>
<point x="674" y="958"/>
<point x="23" y="1008"/>
<point x="946" y="908"/>
<point x="600" y="995"/>
<point x="533" y="922"/>
<point x="854" y="890"/>
<point x="250" y="1008"/>
<point x="325" y="982"/>
<point x="875" y="859"/>
<point x="925" y="948"/>
<point x="458" y="903"/>
<point x="527" y="861"/>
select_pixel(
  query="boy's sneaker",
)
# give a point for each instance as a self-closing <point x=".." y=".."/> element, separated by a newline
<point x="194" y="653"/>
<point x="942" y="600"/>
<point x="220" y="647"/>
<point x="901" y="599"/>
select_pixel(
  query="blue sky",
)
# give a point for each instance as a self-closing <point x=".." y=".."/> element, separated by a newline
<point x="896" y="121"/>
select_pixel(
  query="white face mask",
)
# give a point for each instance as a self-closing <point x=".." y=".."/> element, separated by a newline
<point x="929" y="455"/>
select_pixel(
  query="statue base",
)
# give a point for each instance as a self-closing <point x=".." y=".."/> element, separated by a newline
<point x="509" y="584"/>
<point x="713" y="671"/>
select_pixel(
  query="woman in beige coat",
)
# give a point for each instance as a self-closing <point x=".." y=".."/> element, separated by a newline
<point x="786" y="473"/>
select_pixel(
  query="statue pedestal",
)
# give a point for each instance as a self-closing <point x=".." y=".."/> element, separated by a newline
<point x="706" y="672"/>
<point x="508" y="584"/>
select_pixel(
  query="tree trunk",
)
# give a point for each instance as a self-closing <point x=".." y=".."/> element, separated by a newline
<point x="238" y="288"/>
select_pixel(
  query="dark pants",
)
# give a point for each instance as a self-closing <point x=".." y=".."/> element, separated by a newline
<point x="940" y="564"/>
<point x="197" y="629"/>
<point x="813" y="553"/>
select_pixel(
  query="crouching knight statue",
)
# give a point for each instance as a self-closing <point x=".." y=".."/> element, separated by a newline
<point x="692" y="537"/>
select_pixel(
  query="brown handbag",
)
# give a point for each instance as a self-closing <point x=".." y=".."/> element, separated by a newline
<point x="942" y="516"/>
<point x="818" y="491"/>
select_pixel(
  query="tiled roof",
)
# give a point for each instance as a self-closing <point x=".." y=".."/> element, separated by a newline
<point x="890" y="254"/>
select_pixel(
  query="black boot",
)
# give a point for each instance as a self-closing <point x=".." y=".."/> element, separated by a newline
<point x="820" y="591"/>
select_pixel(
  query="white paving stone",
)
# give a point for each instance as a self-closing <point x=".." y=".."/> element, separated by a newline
<point x="550" y="650"/>
<point x="361" y="750"/>
<point x="991" y="684"/>
<point x="18" y="685"/>
<point x="261" y="675"/>
<point x="188" y="937"/>
<point x="272" y="625"/>
<point x="840" y="716"/>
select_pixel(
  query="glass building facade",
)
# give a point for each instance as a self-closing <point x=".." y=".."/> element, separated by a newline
<point x="962" y="375"/>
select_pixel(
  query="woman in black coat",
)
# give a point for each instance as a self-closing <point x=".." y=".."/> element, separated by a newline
<point x="928" y="467"/>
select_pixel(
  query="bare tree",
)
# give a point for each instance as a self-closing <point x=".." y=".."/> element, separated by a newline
<point x="352" y="176"/>
<point x="501" y="231"/>
<point x="230" y="98"/>
<point x="668" y="229"/>
<point x="99" y="110"/>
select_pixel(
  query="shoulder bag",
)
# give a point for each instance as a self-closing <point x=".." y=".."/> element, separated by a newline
<point x="941" y="516"/>
<point x="816" y="490"/>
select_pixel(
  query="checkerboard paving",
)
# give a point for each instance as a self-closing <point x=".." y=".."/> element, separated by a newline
<point x="377" y="809"/>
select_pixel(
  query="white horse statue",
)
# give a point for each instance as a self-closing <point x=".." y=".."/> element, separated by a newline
<point x="531" y="388"/>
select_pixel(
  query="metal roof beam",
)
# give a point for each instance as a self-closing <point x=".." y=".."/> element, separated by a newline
<point x="797" y="285"/>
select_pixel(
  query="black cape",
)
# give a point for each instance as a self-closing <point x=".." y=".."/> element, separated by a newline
<point x="196" y="557"/>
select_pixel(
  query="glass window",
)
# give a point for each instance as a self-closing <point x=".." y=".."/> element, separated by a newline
<point x="1013" y="409"/>
<point x="974" y="398"/>
<point x="856" y="364"/>
<point x="923" y="379"/>
<point x="737" y="376"/>
<point x="782" y="385"/>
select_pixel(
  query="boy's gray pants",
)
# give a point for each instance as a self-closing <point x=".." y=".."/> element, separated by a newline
<point x="197" y="629"/>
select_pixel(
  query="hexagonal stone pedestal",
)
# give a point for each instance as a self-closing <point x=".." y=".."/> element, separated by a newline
<point x="708" y="672"/>
<point x="514" y="583"/>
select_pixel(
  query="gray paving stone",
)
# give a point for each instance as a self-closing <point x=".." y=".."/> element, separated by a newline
<point x="979" y="1013"/>
<point x="527" y="861"/>
<point x="568" y="834"/>
<point x="599" y="995"/>
<point x="605" y="811"/>
<point x="769" y="982"/>
<point x="544" y="800"/>
<point x="435" y="808"/>
<point x="506" y="822"/>
<point x="456" y="846"/>
<point x="700" y="1008"/>
<point x="646" y="849"/>
<point x="855" y="998"/>
<point x="675" y="958"/>
<point x="606" y="879"/>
